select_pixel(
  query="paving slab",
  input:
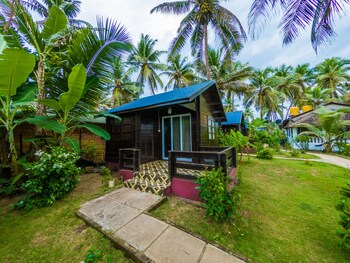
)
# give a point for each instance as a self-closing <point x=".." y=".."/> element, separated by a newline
<point x="123" y="195"/>
<point x="120" y="216"/>
<point x="213" y="254"/>
<point x="108" y="201"/>
<point x="116" y="217"/>
<point x="175" y="246"/>
<point x="142" y="231"/>
<point x="143" y="201"/>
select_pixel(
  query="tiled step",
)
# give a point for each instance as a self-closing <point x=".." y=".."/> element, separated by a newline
<point x="155" y="178"/>
<point x="147" y="186"/>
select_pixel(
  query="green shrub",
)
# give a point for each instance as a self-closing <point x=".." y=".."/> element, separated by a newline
<point x="89" y="152"/>
<point x="51" y="178"/>
<point x="219" y="201"/>
<point x="344" y="148"/>
<point x="106" y="175"/>
<point x="302" y="141"/>
<point x="294" y="153"/>
<point x="344" y="208"/>
<point x="266" y="153"/>
<point x="235" y="139"/>
<point x="105" y="171"/>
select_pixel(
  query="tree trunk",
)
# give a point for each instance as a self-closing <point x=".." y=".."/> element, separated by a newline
<point x="40" y="78"/>
<point x="206" y="51"/>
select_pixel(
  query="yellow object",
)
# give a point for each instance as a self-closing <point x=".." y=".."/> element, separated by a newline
<point x="294" y="111"/>
<point x="306" y="108"/>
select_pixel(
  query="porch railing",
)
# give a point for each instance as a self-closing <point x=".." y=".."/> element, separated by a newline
<point x="129" y="158"/>
<point x="208" y="158"/>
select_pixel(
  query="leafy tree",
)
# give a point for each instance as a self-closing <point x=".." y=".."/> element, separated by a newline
<point x="237" y="140"/>
<point x="333" y="74"/>
<point x="296" y="16"/>
<point x="23" y="30"/>
<point x="124" y="90"/>
<point x="179" y="72"/>
<point x="231" y="77"/>
<point x="199" y="16"/>
<point x="290" y="82"/>
<point x="145" y="60"/>
<point x="316" y="96"/>
<point x="330" y="127"/>
<point x="70" y="7"/>
<point x="263" y="95"/>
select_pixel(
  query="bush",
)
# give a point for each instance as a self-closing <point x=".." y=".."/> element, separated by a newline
<point x="220" y="202"/>
<point x="105" y="171"/>
<point x="344" y="148"/>
<point x="344" y="208"/>
<point x="266" y="153"/>
<point x="106" y="175"/>
<point x="302" y="142"/>
<point x="294" y="153"/>
<point x="51" y="178"/>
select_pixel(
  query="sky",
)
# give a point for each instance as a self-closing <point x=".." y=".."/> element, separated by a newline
<point x="265" y="51"/>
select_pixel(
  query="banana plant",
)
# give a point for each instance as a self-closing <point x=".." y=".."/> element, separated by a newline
<point x="40" y="38"/>
<point x="15" y="66"/>
<point x="65" y="104"/>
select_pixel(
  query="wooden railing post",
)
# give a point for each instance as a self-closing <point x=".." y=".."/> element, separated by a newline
<point x="223" y="164"/>
<point x="136" y="160"/>
<point x="171" y="164"/>
<point x="234" y="157"/>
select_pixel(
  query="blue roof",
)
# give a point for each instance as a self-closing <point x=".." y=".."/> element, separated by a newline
<point x="233" y="118"/>
<point x="183" y="95"/>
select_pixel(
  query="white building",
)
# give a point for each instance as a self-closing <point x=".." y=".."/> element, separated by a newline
<point x="315" y="143"/>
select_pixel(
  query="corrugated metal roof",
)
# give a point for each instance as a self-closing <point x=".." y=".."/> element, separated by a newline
<point x="233" y="118"/>
<point x="176" y="96"/>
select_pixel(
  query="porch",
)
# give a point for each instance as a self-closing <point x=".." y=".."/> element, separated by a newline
<point x="177" y="174"/>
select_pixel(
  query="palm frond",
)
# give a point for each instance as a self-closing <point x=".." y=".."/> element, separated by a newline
<point x="176" y="8"/>
<point x="298" y="15"/>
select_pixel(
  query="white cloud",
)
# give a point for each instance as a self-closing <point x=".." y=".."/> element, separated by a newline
<point x="266" y="51"/>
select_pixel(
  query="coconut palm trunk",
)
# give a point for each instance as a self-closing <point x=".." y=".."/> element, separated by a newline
<point x="206" y="51"/>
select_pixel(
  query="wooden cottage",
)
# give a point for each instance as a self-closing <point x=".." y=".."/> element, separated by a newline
<point x="178" y="126"/>
<point x="182" y="119"/>
<point x="235" y="121"/>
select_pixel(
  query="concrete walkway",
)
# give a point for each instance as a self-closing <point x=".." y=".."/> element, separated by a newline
<point x="120" y="215"/>
<point x="331" y="159"/>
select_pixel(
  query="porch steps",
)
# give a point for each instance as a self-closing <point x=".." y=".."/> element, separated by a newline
<point x="152" y="178"/>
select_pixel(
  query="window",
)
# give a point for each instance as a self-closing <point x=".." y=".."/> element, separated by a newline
<point x="211" y="128"/>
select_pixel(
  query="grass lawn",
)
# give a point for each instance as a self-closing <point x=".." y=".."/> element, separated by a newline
<point x="286" y="154"/>
<point x="54" y="234"/>
<point x="287" y="213"/>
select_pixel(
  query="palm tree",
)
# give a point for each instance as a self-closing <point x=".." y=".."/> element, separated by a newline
<point x="333" y="74"/>
<point x="290" y="82"/>
<point x="145" y="60"/>
<point x="70" y="7"/>
<point x="200" y="14"/>
<point x="316" y="96"/>
<point x="230" y="77"/>
<point x="330" y="127"/>
<point x="298" y="15"/>
<point x="179" y="72"/>
<point x="124" y="89"/>
<point x="263" y="96"/>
